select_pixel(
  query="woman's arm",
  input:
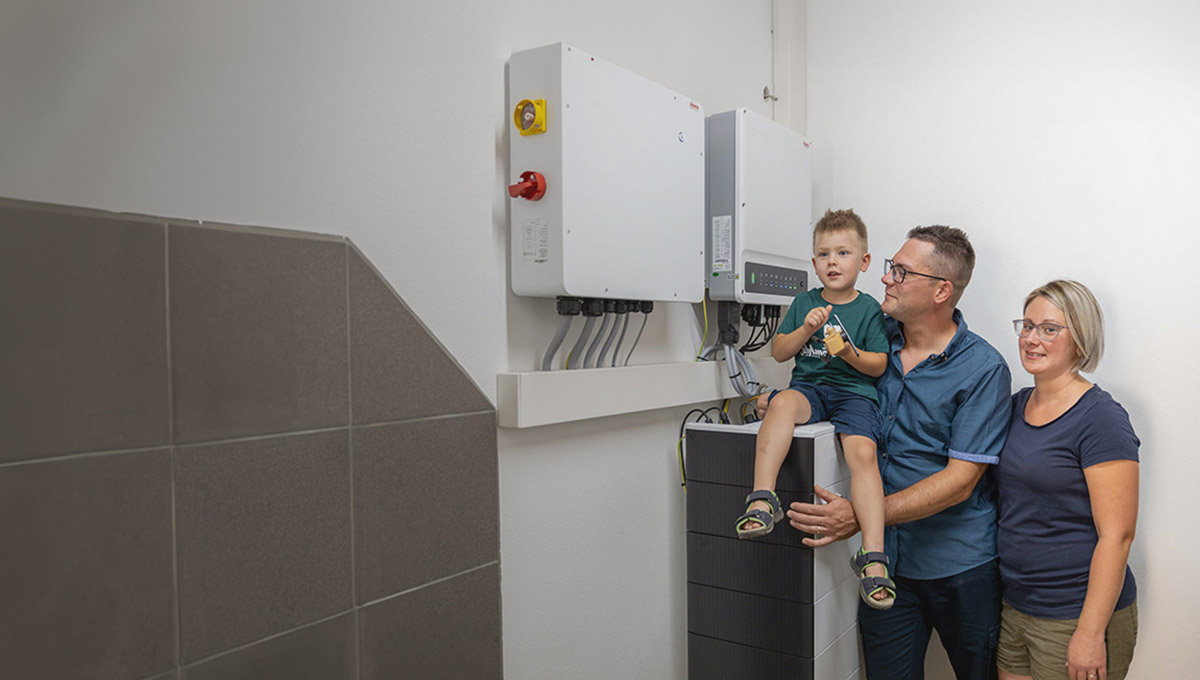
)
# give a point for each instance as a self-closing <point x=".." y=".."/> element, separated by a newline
<point x="1113" y="488"/>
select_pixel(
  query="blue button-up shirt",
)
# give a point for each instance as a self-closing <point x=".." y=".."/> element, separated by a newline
<point x="951" y="405"/>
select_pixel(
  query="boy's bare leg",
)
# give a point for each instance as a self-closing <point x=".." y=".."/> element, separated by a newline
<point x="866" y="494"/>
<point x="788" y="409"/>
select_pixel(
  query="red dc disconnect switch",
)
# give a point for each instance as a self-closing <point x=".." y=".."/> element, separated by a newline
<point x="531" y="187"/>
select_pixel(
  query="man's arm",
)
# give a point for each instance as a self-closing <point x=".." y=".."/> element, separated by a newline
<point x="872" y="364"/>
<point x="834" y="520"/>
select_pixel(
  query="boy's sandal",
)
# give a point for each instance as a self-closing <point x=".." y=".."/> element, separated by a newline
<point x="868" y="586"/>
<point x="766" y="520"/>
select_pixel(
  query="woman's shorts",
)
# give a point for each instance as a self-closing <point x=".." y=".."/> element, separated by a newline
<point x="851" y="414"/>
<point x="1038" y="647"/>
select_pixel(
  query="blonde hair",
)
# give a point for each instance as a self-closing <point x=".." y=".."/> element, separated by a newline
<point x="841" y="220"/>
<point x="1084" y="319"/>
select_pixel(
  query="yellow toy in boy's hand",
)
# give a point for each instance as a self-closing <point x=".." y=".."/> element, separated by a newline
<point x="834" y="340"/>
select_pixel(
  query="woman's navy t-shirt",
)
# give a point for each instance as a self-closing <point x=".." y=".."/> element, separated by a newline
<point x="1046" y="532"/>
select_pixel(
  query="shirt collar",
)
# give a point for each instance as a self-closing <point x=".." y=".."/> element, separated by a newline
<point x="896" y="335"/>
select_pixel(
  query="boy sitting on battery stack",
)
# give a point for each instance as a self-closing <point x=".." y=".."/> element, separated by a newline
<point x="837" y="336"/>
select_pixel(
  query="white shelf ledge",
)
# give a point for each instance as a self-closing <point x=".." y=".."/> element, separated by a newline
<point x="547" y="397"/>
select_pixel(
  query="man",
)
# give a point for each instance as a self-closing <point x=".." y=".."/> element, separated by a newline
<point x="944" y="400"/>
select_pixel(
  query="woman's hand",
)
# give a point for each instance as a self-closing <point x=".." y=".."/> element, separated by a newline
<point x="1086" y="657"/>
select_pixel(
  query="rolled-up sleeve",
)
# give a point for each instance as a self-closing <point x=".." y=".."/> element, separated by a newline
<point x="980" y="423"/>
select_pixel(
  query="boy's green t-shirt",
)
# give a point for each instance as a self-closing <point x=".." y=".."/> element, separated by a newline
<point x="863" y="321"/>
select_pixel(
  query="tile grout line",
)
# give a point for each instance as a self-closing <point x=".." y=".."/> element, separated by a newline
<point x="357" y="644"/>
<point x="175" y="594"/>
<point x="259" y="641"/>
<point x="189" y="445"/>
<point x="431" y="583"/>
<point x="349" y="437"/>
<point x="89" y="454"/>
<point x="444" y="416"/>
<point x="175" y="568"/>
<point x="350" y="460"/>
<point x="167" y="316"/>
<point x="262" y="437"/>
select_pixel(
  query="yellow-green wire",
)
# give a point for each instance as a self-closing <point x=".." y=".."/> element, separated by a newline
<point x="682" y="475"/>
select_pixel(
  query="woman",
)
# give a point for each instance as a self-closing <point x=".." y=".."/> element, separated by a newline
<point x="1068" y="497"/>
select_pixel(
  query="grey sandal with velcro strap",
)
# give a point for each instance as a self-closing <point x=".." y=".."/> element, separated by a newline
<point x="765" y="519"/>
<point x="869" y="585"/>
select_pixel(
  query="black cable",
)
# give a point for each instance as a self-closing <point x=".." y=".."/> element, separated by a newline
<point x="679" y="445"/>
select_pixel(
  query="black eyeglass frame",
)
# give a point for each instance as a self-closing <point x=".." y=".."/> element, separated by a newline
<point x="890" y="267"/>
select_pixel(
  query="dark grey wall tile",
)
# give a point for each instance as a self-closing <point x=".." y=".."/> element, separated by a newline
<point x="258" y="333"/>
<point x="399" y="369"/>
<point x="413" y="482"/>
<point x="322" y="651"/>
<point x="448" y="630"/>
<point x="263" y="537"/>
<point x="86" y="580"/>
<point x="83" y="363"/>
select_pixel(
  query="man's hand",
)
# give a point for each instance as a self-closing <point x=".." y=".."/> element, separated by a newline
<point x="760" y="405"/>
<point x="832" y="521"/>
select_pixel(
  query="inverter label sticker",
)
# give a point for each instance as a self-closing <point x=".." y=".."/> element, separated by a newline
<point x="535" y="242"/>
<point x="722" y="243"/>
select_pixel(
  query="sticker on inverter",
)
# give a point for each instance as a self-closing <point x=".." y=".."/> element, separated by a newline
<point x="535" y="244"/>
<point x="722" y="243"/>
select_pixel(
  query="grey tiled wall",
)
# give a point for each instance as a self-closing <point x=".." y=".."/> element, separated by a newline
<point x="232" y="453"/>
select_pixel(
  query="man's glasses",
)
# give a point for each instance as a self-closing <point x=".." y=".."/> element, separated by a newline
<point x="1046" y="331"/>
<point x="899" y="271"/>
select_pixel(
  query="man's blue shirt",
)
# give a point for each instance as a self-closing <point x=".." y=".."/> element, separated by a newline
<point x="951" y="405"/>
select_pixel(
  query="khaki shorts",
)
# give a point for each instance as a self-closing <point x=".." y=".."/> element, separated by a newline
<point x="1038" y="647"/>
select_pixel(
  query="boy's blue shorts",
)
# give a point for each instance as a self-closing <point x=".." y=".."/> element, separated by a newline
<point x="850" y="413"/>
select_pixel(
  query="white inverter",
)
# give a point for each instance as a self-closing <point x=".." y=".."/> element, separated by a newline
<point x="759" y="217"/>
<point x="607" y="199"/>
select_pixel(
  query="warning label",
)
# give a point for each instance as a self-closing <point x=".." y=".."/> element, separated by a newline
<point x="535" y="242"/>
<point x="722" y="243"/>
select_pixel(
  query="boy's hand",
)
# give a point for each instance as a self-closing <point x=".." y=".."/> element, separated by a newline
<point x="816" y="318"/>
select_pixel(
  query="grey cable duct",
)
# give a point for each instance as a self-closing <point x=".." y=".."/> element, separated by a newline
<point x="635" y="340"/>
<point x="591" y="353"/>
<point x="548" y="358"/>
<point x="620" y="340"/>
<point x="612" y="335"/>
<point x="576" y="357"/>
<point x="741" y="373"/>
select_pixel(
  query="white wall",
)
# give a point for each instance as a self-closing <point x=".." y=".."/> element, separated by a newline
<point x="387" y="122"/>
<point x="1063" y="136"/>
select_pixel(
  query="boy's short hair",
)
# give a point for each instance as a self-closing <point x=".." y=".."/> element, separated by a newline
<point x="1084" y="319"/>
<point x="954" y="258"/>
<point x="838" y="220"/>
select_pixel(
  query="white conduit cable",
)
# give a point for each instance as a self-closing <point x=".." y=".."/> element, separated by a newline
<point x="548" y="358"/>
<point x="638" y="337"/>
<point x="576" y="357"/>
<point x="591" y="353"/>
<point x="612" y="336"/>
<point x="741" y="374"/>
<point x="620" y="340"/>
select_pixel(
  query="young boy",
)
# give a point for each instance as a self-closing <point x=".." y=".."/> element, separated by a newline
<point x="834" y="380"/>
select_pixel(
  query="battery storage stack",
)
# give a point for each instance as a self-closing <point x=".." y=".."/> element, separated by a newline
<point x="767" y="607"/>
